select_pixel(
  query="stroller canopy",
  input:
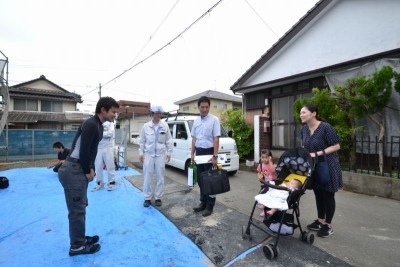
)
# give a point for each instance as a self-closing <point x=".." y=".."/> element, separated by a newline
<point x="294" y="161"/>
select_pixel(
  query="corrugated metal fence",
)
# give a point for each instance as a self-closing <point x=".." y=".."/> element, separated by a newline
<point x="33" y="144"/>
<point x="38" y="144"/>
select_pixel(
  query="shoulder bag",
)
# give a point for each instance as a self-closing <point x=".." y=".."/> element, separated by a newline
<point x="215" y="181"/>
<point x="321" y="171"/>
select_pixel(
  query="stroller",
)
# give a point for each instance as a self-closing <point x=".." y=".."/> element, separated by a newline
<point x="297" y="164"/>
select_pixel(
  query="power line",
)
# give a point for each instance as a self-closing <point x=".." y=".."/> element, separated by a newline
<point x="164" y="46"/>
<point x="154" y="33"/>
<point x="265" y="23"/>
<point x="158" y="50"/>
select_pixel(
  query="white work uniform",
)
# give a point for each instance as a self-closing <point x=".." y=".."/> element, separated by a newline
<point x="105" y="153"/>
<point x="155" y="144"/>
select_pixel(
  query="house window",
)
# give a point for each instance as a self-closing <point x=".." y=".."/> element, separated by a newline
<point x="225" y="106"/>
<point x="282" y="122"/>
<point x="286" y="128"/>
<point x="31" y="105"/>
<point x="255" y="100"/>
<point x="25" y="104"/>
<point x="19" y="104"/>
<point x="186" y="108"/>
<point x="51" y="106"/>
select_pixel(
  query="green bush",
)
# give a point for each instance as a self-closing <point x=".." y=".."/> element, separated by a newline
<point x="242" y="133"/>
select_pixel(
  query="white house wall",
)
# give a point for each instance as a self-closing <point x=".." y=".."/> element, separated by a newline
<point x="69" y="106"/>
<point x="344" y="31"/>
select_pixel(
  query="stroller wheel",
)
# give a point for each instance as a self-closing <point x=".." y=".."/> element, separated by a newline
<point x="310" y="238"/>
<point x="275" y="249"/>
<point x="302" y="236"/>
<point x="246" y="234"/>
<point x="268" y="252"/>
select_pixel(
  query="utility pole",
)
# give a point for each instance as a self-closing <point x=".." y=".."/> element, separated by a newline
<point x="99" y="90"/>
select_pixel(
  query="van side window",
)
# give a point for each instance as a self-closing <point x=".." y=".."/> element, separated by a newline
<point x="181" y="131"/>
<point x="171" y="129"/>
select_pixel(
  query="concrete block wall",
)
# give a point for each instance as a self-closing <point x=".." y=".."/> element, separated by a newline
<point x="372" y="185"/>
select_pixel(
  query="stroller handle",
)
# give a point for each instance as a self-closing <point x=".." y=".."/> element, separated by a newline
<point x="267" y="185"/>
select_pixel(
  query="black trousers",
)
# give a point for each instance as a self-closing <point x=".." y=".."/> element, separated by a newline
<point x="326" y="204"/>
<point x="206" y="199"/>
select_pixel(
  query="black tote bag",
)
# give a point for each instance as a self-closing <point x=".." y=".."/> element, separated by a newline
<point x="215" y="182"/>
<point x="321" y="171"/>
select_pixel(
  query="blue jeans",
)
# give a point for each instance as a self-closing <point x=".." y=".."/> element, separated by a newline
<point x="75" y="186"/>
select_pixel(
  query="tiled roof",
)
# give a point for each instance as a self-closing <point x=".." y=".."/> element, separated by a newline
<point x="212" y="95"/>
<point x="24" y="90"/>
<point x="42" y="94"/>
<point x="31" y="117"/>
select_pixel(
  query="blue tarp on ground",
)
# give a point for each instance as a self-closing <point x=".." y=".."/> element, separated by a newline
<point x="34" y="226"/>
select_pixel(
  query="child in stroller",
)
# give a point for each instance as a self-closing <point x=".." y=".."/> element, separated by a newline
<point x="275" y="199"/>
<point x="294" y="164"/>
<point x="266" y="171"/>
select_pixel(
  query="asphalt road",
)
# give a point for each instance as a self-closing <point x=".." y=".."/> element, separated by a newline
<point x="366" y="227"/>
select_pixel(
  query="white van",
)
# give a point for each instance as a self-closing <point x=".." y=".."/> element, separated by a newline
<point x="180" y="127"/>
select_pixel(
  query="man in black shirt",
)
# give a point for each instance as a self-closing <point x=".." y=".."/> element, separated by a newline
<point x="61" y="156"/>
<point x="78" y="170"/>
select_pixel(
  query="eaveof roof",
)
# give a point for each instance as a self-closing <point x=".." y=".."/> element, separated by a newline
<point x="212" y="95"/>
<point x="285" y="39"/>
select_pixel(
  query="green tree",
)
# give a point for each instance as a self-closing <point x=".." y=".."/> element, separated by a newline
<point x="357" y="98"/>
<point x="371" y="96"/>
<point x="242" y="133"/>
<point x="329" y="110"/>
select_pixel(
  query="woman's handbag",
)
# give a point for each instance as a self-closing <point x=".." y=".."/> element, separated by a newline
<point x="321" y="171"/>
<point x="215" y="181"/>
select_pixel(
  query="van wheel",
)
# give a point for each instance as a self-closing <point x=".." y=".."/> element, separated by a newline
<point x="232" y="173"/>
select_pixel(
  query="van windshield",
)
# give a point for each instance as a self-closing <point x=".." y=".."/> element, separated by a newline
<point x="223" y="131"/>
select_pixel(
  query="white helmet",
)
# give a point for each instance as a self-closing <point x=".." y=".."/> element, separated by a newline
<point x="156" y="109"/>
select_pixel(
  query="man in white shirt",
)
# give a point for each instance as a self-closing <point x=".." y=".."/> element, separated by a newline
<point x="205" y="132"/>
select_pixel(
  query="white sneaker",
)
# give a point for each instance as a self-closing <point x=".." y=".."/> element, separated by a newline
<point x="111" y="186"/>
<point x="99" y="185"/>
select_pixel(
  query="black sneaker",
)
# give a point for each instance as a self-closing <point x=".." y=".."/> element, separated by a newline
<point x="158" y="202"/>
<point x="90" y="240"/>
<point x="207" y="212"/>
<point x="200" y="207"/>
<point x="325" y="231"/>
<point x="86" y="249"/>
<point x="146" y="203"/>
<point x="314" y="226"/>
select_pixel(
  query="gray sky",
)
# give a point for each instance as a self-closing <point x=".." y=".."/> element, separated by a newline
<point x="79" y="44"/>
